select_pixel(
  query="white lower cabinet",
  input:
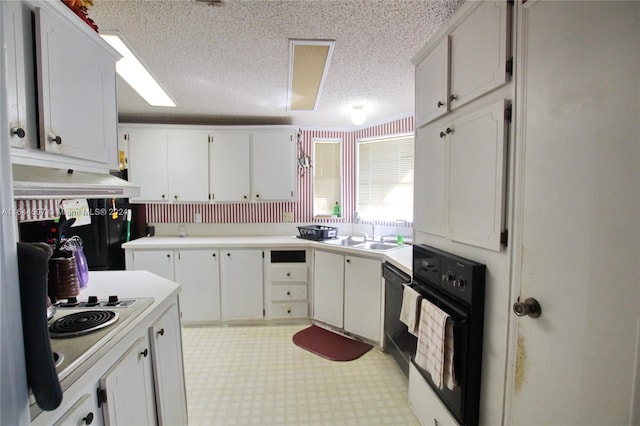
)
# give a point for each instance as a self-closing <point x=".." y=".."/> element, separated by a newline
<point x="198" y="271"/>
<point x="168" y="366"/>
<point x="126" y="390"/>
<point x="348" y="293"/>
<point x="146" y="385"/>
<point x="85" y="411"/>
<point x="241" y="284"/>
<point x="425" y="404"/>
<point x="362" y="297"/>
<point x="328" y="287"/>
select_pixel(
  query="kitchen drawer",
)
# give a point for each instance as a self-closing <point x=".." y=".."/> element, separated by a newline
<point x="288" y="292"/>
<point x="287" y="272"/>
<point x="289" y="310"/>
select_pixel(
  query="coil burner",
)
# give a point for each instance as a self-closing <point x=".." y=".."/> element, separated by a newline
<point x="83" y="322"/>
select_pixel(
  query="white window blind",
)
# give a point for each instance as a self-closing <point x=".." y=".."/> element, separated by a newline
<point x="326" y="173"/>
<point x="385" y="178"/>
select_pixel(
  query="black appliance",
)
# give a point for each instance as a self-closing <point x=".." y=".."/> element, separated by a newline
<point x="398" y="341"/>
<point x="455" y="285"/>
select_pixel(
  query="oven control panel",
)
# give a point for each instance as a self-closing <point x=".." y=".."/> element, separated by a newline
<point x="94" y="302"/>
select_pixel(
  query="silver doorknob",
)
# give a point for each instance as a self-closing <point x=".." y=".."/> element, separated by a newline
<point x="529" y="307"/>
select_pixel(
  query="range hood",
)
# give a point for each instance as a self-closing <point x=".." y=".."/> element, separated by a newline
<point x="36" y="183"/>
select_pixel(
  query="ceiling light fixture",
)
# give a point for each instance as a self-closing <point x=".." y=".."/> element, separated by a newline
<point x="358" y="115"/>
<point x="308" y="67"/>
<point x="131" y="69"/>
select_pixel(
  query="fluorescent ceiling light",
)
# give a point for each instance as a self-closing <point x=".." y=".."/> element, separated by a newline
<point x="308" y="66"/>
<point x="134" y="73"/>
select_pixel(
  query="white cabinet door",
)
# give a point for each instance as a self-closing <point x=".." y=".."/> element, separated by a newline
<point x="362" y="297"/>
<point x="188" y="165"/>
<point x="21" y="96"/>
<point x="479" y="48"/>
<point x="429" y="189"/>
<point x="168" y="368"/>
<point x="432" y="84"/>
<point x="198" y="271"/>
<point x="128" y="387"/>
<point x="84" y="411"/>
<point x="241" y="284"/>
<point x="460" y="184"/>
<point x="76" y="91"/>
<point x="148" y="163"/>
<point x="328" y="287"/>
<point x="159" y="262"/>
<point x="273" y="168"/>
<point x="229" y="166"/>
<point x="476" y="177"/>
<point x="425" y="404"/>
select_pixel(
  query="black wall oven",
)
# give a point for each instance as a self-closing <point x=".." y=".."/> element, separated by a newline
<point x="456" y="286"/>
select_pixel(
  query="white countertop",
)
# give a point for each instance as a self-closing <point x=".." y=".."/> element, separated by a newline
<point x="400" y="257"/>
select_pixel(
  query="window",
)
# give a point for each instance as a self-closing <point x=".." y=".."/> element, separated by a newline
<point x="385" y="178"/>
<point x="326" y="176"/>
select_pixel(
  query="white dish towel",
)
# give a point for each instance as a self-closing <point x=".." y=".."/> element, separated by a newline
<point x="435" y="345"/>
<point x="410" y="309"/>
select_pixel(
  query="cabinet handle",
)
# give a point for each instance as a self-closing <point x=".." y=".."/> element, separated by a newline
<point x="229" y="254"/>
<point x="440" y="104"/>
<point x="288" y="274"/>
<point x="88" y="419"/>
<point x="161" y="332"/>
<point x="443" y="134"/>
<point x="257" y="195"/>
<point x="175" y="197"/>
<point x="449" y="130"/>
<point x="288" y="311"/>
<point x="453" y="98"/>
<point x="245" y="197"/>
<point x="168" y="256"/>
<point x="348" y="260"/>
<point x="18" y="131"/>
<point x="288" y="293"/>
<point x="213" y="254"/>
<point x="163" y="196"/>
<point x="145" y="352"/>
<point x="56" y="139"/>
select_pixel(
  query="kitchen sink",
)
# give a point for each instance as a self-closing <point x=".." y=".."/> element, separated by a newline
<point x="345" y="242"/>
<point x="372" y="245"/>
<point x="360" y="244"/>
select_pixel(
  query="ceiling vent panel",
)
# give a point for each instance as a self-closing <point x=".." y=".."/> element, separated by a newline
<point x="308" y="66"/>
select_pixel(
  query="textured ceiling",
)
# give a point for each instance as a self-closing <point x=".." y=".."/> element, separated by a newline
<point x="229" y="64"/>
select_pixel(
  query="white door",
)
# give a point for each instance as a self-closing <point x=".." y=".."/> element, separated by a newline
<point x="148" y="164"/>
<point x="362" y="297"/>
<point x="198" y="271"/>
<point x="128" y="386"/>
<point x="577" y="246"/>
<point x="272" y="165"/>
<point x="159" y="262"/>
<point x="168" y="368"/>
<point x="188" y="165"/>
<point x="432" y="84"/>
<point x="328" y="288"/>
<point x="241" y="284"/>
<point x="229" y="166"/>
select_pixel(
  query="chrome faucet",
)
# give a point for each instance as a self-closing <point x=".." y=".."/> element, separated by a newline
<point x="373" y="233"/>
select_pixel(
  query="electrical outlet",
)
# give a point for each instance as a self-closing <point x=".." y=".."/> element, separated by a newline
<point x="287" y="216"/>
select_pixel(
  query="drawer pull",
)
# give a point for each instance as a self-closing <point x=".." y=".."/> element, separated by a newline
<point x="288" y="293"/>
<point x="288" y="274"/>
<point x="145" y="352"/>
<point x="88" y="419"/>
<point x="161" y="332"/>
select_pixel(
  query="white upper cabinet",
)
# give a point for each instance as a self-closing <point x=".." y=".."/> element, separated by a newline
<point x="273" y="171"/>
<point x="256" y="164"/>
<point x="470" y="59"/>
<point x="169" y="165"/>
<point x="21" y="97"/>
<point x="462" y="177"/>
<point x="432" y="84"/>
<point x="62" y="88"/>
<point x="76" y="90"/>
<point x="188" y="166"/>
<point x="230" y="166"/>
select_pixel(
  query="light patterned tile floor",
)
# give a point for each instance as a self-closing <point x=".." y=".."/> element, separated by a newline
<point x="256" y="375"/>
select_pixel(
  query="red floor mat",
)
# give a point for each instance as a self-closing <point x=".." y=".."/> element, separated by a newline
<point x="330" y="345"/>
